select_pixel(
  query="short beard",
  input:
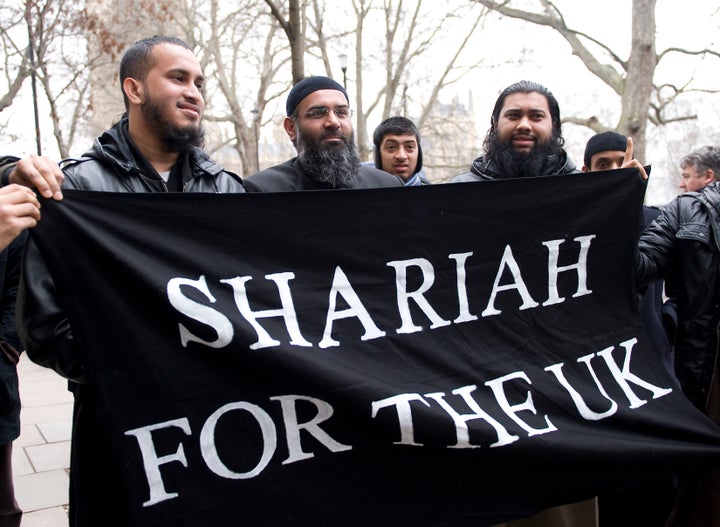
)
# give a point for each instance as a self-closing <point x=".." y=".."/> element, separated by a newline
<point x="514" y="164"/>
<point x="174" y="138"/>
<point x="330" y="164"/>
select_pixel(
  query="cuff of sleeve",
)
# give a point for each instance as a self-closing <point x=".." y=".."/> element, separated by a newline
<point x="5" y="175"/>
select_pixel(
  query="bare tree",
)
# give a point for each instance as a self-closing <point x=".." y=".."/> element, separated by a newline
<point x="61" y="66"/>
<point x="632" y="79"/>
<point x="245" y="55"/>
<point x="15" y="56"/>
<point x="294" y="27"/>
<point x="411" y="34"/>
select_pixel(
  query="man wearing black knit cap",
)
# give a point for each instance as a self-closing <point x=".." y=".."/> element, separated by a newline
<point x="319" y="124"/>
<point x="608" y="151"/>
<point x="649" y="503"/>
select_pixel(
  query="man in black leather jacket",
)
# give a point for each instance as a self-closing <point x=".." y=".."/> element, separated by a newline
<point x="525" y="137"/>
<point x="154" y="148"/>
<point x="683" y="245"/>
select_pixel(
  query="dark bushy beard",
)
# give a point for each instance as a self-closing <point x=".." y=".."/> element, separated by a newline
<point x="175" y="138"/>
<point x="333" y="164"/>
<point x="512" y="164"/>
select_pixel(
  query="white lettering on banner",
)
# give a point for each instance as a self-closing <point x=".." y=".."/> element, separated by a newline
<point x="622" y="378"/>
<point x="208" y="449"/>
<point x="404" y="296"/>
<point x="211" y="455"/>
<point x="342" y="287"/>
<point x="287" y="312"/>
<point x="553" y="269"/>
<point x="152" y="462"/>
<point x="200" y="312"/>
<point x="506" y="413"/>
<point x="508" y="260"/>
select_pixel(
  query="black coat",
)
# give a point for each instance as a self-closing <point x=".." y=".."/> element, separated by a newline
<point x="682" y="244"/>
<point x="10" y="260"/>
<point x="486" y="169"/>
<point x="289" y="177"/>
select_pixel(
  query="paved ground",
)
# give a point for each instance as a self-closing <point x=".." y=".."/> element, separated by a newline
<point x="41" y="455"/>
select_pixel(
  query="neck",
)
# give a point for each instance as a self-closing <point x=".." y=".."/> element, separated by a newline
<point x="152" y="147"/>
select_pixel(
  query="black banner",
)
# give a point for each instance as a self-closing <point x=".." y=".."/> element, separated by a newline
<point x="444" y="355"/>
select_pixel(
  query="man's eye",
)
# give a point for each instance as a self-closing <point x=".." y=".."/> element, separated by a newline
<point x="316" y="113"/>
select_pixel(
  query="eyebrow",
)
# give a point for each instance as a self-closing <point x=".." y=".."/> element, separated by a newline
<point x="185" y="73"/>
<point x="326" y="106"/>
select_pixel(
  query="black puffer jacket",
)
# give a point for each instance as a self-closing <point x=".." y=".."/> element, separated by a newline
<point x="682" y="244"/>
<point x="486" y="169"/>
<point x="113" y="165"/>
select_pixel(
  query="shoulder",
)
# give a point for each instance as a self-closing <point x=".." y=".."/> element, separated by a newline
<point x="77" y="172"/>
<point x="279" y="178"/>
<point x="467" y="177"/>
<point x="371" y="177"/>
<point x="223" y="180"/>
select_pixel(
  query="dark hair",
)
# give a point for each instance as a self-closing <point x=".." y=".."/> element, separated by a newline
<point x="136" y="62"/>
<point x="527" y="87"/>
<point x="396" y="125"/>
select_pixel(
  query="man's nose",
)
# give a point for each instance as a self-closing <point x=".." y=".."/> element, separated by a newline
<point x="524" y="123"/>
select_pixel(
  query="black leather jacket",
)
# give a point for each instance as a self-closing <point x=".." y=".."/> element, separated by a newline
<point x="112" y="165"/>
<point x="682" y="244"/>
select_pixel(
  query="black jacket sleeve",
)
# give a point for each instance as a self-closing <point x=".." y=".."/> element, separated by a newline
<point x="656" y="247"/>
<point x="42" y="322"/>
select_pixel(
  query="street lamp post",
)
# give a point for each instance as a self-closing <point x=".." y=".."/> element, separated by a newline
<point x="256" y="118"/>
<point x="343" y="66"/>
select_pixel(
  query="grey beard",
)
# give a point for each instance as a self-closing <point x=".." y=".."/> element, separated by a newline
<point x="335" y="166"/>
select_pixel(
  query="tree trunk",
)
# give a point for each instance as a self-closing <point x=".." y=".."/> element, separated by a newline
<point x="639" y="80"/>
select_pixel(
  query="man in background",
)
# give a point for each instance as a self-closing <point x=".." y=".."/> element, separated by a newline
<point x="699" y="168"/>
<point x="648" y="504"/>
<point x="398" y="150"/>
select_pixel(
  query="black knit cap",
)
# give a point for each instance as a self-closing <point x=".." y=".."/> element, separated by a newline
<point x="602" y="143"/>
<point x="309" y="85"/>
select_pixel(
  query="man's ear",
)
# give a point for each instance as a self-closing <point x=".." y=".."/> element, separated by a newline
<point x="133" y="90"/>
<point x="289" y="125"/>
<point x="711" y="176"/>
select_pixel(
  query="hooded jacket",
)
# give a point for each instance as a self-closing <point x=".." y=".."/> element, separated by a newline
<point x="484" y="168"/>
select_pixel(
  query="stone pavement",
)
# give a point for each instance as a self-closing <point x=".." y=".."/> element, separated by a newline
<point x="41" y="455"/>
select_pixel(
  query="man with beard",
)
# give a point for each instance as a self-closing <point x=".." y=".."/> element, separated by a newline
<point x="525" y="137"/>
<point x="319" y="124"/>
<point x="525" y="140"/>
<point x="153" y="148"/>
